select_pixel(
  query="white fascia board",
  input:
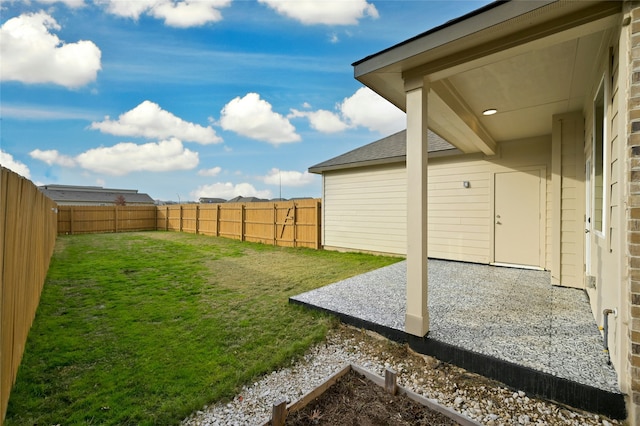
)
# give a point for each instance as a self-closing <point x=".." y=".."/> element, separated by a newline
<point x="447" y="33"/>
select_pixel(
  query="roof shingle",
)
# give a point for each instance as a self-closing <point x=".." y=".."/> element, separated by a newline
<point x="392" y="149"/>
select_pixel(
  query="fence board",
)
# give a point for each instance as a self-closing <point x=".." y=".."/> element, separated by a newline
<point x="28" y="227"/>
<point x="282" y="223"/>
<point x="101" y="219"/>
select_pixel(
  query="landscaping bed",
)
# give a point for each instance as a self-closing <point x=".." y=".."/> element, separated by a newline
<point x="486" y="401"/>
<point x="355" y="400"/>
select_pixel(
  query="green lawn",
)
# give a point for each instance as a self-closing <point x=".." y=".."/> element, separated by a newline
<point x="144" y="328"/>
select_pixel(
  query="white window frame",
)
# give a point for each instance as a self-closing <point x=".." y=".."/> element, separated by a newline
<point x="602" y="86"/>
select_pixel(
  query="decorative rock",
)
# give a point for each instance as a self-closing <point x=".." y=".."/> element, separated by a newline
<point x="487" y="404"/>
<point x="523" y="419"/>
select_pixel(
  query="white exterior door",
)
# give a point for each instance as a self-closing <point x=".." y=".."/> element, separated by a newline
<point x="518" y="218"/>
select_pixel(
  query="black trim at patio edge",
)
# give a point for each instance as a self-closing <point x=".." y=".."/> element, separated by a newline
<point x="531" y="381"/>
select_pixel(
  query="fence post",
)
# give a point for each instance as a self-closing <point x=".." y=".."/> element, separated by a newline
<point x="275" y="224"/>
<point x="197" y="218"/>
<point x="217" y="220"/>
<point x="318" y="220"/>
<point x="115" y="218"/>
<point x="71" y="221"/>
<point x="180" y="226"/>
<point x="242" y="216"/>
<point x="295" y="226"/>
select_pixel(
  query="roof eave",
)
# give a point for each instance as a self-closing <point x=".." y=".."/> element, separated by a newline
<point x="319" y="169"/>
<point x="477" y="20"/>
<point x="379" y="162"/>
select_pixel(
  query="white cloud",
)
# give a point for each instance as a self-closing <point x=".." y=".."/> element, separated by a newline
<point x="365" y="108"/>
<point x="322" y="120"/>
<point x="311" y="12"/>
<point x="189" y="13"/>
<point x="228" y="190"/>
<point x="69" y="3"/>
<point x="128" y="9"/>
<point x="7" y="161"/>
<point x="182" y="14"/>
<point x="288" y="177"/>
<point x="53" y="157"/>
<point x="126" y="157"/>
<point x="31" y="54"/>
<point x="253" y="117"/>
<point x="150" y="121"/>
<point x="213" y="172"/>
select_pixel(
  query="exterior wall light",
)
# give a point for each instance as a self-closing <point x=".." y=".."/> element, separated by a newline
<point x="489" y="111"/>
<point x="466" y="184"/>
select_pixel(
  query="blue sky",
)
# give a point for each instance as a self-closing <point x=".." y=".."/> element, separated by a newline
<point x="193" y="98"/>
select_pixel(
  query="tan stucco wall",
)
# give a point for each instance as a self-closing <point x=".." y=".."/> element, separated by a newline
<point x="567" y="182"/>
<point x="461" y="219"/>
<point x="607" y="247"/>
<point x="365" y="209"/>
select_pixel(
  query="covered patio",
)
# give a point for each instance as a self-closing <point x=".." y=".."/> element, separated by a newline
<point x="505" y="323"/>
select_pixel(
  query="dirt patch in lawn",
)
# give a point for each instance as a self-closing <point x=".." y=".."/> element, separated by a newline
<point x="354" y="400"/>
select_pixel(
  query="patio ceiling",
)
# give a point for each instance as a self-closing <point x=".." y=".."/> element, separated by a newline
<point x="528" y="60"/>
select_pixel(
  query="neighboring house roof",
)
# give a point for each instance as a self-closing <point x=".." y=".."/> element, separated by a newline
<point x="69" y="194"/>
<point x="241" y="199"/>
<point x="207" y="200"/>
<point x="392" y="149"/>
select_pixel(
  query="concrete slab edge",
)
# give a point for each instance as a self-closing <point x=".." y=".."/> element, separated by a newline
<point x="537" y="383"/>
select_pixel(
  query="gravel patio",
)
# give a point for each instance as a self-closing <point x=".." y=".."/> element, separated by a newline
<point x="508" y="324"/>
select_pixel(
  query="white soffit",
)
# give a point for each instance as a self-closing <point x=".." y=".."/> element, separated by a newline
<point x="526" y="82"/>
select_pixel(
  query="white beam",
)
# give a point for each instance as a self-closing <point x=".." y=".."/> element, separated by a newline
<point x="478" y="135"/>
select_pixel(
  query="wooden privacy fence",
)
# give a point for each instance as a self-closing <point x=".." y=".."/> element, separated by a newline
<point x="283" y="223"/>
<point x="100" y="219"/>
<point x="27" y="238"/>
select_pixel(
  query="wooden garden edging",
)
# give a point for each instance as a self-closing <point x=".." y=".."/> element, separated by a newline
<point x="281" y="410"/>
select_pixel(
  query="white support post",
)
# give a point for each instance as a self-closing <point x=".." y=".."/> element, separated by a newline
<point x="417" y="316"/>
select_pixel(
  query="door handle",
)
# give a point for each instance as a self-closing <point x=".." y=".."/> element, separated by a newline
<point x="586" y="231"/>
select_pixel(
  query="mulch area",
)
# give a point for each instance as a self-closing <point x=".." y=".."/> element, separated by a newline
<point x="354" y="400"/>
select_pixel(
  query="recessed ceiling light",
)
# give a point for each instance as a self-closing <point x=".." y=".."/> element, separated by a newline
<point x="489" y="111"/>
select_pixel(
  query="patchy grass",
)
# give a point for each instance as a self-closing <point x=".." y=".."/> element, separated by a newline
<point x="145" y="328"/>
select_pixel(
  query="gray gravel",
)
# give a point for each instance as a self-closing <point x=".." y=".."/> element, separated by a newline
<point x="490" y="405"/>
<point x="511" y="314"/>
